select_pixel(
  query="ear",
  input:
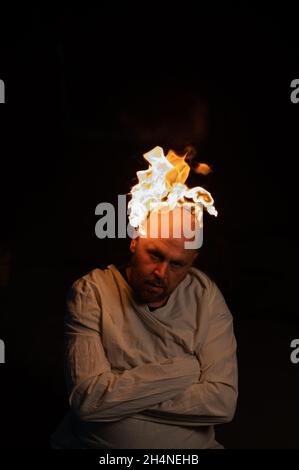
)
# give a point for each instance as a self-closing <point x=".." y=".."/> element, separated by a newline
<point x="133" y="245"/>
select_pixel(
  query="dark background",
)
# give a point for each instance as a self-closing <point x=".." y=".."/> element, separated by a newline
<point x="88" y="91"/>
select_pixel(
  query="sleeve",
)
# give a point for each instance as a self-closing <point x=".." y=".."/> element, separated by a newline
<point x="213" y="399"/>
<point x="98" y="393"/>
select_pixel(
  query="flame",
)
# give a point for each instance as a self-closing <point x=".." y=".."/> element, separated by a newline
<point x="162" y="187"/>
<point x="202" y="168"/>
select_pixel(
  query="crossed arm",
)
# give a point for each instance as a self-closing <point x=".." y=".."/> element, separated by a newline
<point x="190" y="390"/>
<point x="212" y="400"/>
<point x="96" y="391"/>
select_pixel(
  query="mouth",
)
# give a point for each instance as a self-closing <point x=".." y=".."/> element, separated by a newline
<point x="154" y="287"/>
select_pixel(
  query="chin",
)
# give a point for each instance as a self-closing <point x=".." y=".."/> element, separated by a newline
<point x="143" y="297"/>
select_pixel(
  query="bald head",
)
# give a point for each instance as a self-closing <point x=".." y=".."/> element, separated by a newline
<point x="180" y="225"/>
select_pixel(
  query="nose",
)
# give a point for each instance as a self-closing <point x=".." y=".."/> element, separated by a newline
<point x="160" y="270"/>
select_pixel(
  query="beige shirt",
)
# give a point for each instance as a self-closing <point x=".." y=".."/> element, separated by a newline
<point x="147" y="379"/>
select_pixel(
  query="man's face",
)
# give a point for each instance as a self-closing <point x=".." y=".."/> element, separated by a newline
<point x="158" y="265"/>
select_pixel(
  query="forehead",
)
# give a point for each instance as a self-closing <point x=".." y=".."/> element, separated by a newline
<point x="170" y="248"/>
<point x="177" y="223"/>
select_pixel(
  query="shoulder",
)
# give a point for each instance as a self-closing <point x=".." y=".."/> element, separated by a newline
<point x="201" y="277"/>
<point x="91" y="288"/>
<point x="202" y="281"/>
<point x="209" y="289"/>
<point x="90" y="283"/>
<point x="84" y="302"/>
<point x="84" y="293"/>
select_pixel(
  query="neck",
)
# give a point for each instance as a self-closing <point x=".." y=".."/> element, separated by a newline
<point x="154" y="305"/>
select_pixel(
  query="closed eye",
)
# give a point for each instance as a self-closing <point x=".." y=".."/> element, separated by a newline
<point x="155" y="255"/>
<point x="176" y="264"/>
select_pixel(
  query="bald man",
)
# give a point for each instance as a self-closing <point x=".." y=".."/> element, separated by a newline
<point x="150" y="348"/>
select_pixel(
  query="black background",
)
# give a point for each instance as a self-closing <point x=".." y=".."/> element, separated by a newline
<point x="88" y="91"/>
